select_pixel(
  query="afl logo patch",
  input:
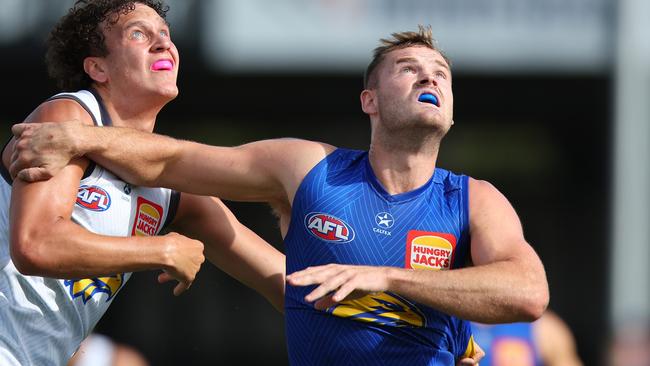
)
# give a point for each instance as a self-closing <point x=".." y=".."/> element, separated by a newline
<point x="93" y="198"/>
<point x="147" y="221"/>
<point x="328" y="228"/>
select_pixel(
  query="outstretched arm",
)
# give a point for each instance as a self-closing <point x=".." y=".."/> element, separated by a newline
<point x="507" y="282"/>
<point x="44" y="241"/>
<point x="233" y="247"/>
<point x="267" y="171"/>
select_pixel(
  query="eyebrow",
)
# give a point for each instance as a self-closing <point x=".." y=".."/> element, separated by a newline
<point x="136" y="23"/>
<point x="142" y="24"/>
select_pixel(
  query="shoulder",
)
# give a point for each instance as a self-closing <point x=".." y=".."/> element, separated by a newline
<point x="60" y="110"/>
<point x="481" y="187"/>
<point x="293" y="155"/>
<point x="484" y="195"/>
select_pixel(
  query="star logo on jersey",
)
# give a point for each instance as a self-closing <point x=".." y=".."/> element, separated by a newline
<point x="89" y="287"/>
<point x="384" y="220"/>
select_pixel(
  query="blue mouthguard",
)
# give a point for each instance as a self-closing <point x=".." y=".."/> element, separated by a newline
<point x="428" y="98"/>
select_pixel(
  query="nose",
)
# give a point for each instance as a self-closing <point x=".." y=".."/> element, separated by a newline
<point x="426" y="79"/>
<point x="162" y="43"/>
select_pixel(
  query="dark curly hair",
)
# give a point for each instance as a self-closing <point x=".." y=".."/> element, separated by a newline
<point x="78" y="35"/>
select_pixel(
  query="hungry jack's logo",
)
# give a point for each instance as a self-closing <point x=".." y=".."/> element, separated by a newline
<point x="429" y="250"/>
<point x="147" y="220"/>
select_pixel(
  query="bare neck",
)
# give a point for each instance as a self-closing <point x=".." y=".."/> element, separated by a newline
<point x="131" y="111"/>
<point x="402" y="166"/>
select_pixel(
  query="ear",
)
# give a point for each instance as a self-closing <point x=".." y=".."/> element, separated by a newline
<point x="369" y="101"/>
<point x="95" y="68"/>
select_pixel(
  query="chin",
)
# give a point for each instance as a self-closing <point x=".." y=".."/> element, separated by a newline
<point x="169" y="93"/>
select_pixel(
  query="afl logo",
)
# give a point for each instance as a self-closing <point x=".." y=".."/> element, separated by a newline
<point x="329" y="228"/>
<point x="93" y="198"/>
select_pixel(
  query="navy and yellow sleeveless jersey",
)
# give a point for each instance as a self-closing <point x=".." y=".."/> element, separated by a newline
<point x="507" y="344"/>
<point x="342" y="214"/>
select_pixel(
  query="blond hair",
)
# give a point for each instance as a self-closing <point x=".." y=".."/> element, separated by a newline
<point x="423" y="37"/>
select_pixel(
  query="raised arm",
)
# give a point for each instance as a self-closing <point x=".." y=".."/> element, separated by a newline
<point x="507" y="282"/>
<point x="232" y="247"/>
<point x="44" y="241"/>
<point x="261" y="171"/>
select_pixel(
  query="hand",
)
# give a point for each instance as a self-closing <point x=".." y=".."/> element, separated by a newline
<point x="185" y="257"/>
<point x="42" y="149"/>
<point x="338" y="282"/>
<point x="474" y="358"/>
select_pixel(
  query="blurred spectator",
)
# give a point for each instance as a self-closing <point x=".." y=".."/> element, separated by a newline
<point x="547" y="341"/>
<point x="631" y="345"/>
<point x="99" y="350"/>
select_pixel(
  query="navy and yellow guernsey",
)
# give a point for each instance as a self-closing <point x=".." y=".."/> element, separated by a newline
<point x="342" y="214"/>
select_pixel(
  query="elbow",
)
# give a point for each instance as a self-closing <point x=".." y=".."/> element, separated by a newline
<point x="26" y="255"/>
<point x="535" y="306"/>
<point x="278" y="303"/>
<point x="534" y="302"/>
<point x="278" y="287"/>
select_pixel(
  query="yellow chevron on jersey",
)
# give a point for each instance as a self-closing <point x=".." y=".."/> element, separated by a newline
<point x="87" y="288"/>
<point x="381" y="308"/>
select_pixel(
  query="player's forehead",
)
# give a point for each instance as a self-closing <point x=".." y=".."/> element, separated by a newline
<point x="141" y="14"/>
<point x="417" y="54"/>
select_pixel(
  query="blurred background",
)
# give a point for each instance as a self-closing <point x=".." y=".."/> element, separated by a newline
<point x="551" y="102"/>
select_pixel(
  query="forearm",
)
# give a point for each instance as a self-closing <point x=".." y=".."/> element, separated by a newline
<point x="255" y="271"/>
<point x="66" y="250"/>
<point x="232" y="247"/>
<point x="181" y="165"/>
<point x="255" y="263"/>
<point x="115" y="149"/>
<point x="499" y="292"/>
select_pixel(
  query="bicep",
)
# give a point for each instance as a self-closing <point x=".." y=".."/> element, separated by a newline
<point x="268" y="170"/>
<point x="495" y="229"/>
<point x="35" y="206"/>
<point x="205" y="218"/>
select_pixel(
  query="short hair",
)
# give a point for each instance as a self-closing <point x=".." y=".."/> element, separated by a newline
<point x="78" y="35"/>
<point x="423" y="37"/>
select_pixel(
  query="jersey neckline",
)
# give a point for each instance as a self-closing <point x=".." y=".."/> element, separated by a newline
<point x="400" y="197"/>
